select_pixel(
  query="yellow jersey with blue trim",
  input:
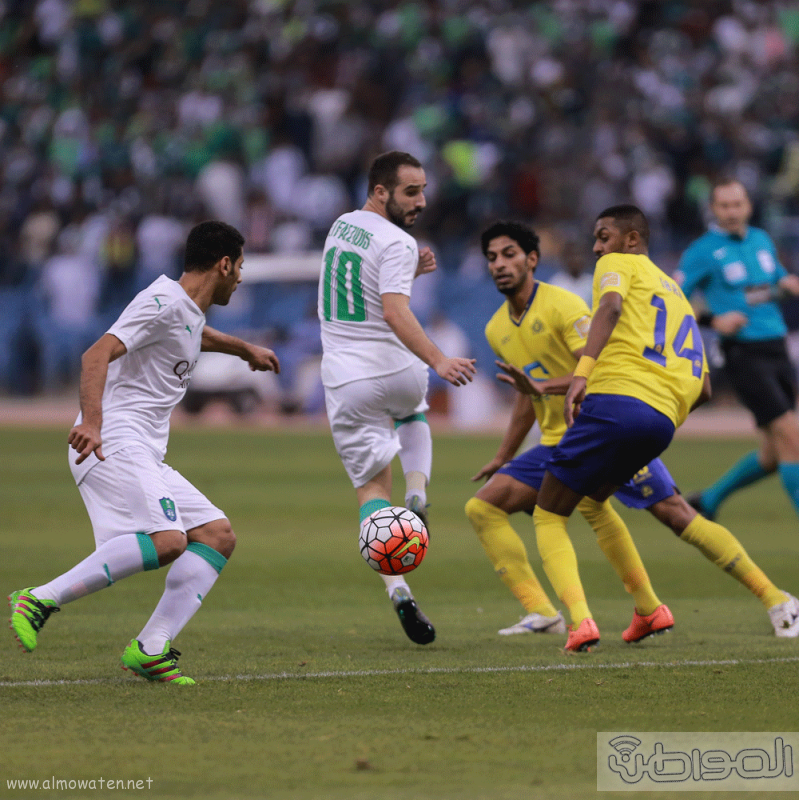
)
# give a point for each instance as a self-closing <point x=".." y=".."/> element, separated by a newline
<point x="542" y="343"/>
<point x="655" y="352"/>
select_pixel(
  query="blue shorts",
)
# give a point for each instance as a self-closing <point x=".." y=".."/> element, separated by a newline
<point x="649" y="485"/>
<point x="613" y="437"/>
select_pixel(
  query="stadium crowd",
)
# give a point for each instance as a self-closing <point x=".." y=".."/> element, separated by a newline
<point x="122" y="124"/>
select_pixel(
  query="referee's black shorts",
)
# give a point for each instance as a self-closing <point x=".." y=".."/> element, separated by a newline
<point x="763" y="377"/>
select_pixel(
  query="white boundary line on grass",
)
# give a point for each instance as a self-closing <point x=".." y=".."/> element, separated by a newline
<point x="371" y="673"/>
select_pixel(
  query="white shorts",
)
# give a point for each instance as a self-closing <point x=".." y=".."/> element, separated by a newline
<point x="362" y="414"/>
<point x="133" y="492"/>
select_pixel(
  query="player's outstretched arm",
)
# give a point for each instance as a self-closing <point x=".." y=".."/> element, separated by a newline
<point x="526" y="385"/>
<point x="518" y="379"/>
<point x="521" y="420"/>
<point x="85" y="437"/>
<point x="397" y="313"/>
<point x="260" y="359"/>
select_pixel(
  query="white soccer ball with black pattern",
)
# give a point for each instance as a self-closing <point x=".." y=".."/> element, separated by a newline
<point x="393" y="540"/>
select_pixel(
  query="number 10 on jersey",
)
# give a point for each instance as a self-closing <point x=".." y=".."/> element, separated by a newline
<point x="342" y="278"/>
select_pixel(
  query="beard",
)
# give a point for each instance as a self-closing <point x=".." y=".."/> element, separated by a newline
<point x="396" y="215"/>
<point x="509" y="289"/>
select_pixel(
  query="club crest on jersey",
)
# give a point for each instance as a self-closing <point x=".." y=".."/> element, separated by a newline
<point x="168" y="505"/>
<point x="537" y="326"/>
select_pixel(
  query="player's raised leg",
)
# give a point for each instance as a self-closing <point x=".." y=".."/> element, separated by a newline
<point x="373" y="496"/>
<point x="114" y="560"/>
<point x="721" y="547"/>
<point x="416" y="457"/>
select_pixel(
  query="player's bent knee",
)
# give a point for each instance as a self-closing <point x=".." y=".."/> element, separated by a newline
<point x="472" y="509"/>
<point x="227" y="542"/>
<point x="169" y="545"/>
<point x="218" y="535"/>
<point x="480" y="512"/>
<point x="674" y="512"/>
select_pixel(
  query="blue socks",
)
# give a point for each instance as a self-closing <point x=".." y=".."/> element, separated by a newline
<point x="743" y="473"/>
<point x="790" y="480"/>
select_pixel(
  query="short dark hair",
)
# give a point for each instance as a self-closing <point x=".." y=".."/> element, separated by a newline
<point x="208" y="243"/>
<point x="522" y="234"/>
<point x="384" y="169"/>
<point x="629" y="218"/>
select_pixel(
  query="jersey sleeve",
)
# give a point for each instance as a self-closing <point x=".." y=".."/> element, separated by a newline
<point x="694" y="269"/>
<point x="612" y="274"/>
<point x="142" y="322"/>
<point x="493" y="339"/>
<point x="398" y="264"/>
<point x="576" y="320"/>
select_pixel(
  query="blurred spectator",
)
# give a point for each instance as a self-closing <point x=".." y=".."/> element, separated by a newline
<point x="69" y="286"/>
<point x="119" y="260"/>
<point x="266" y="114"/>
<point x="38" y="234"/>
<point x="159" y="241"/>
<point x="259" y="222"/>
<point x="577" y="273"/>
<point x="221" y="185"/>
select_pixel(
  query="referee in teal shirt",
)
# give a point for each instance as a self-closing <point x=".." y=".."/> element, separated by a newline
<point x="737" y="268"/>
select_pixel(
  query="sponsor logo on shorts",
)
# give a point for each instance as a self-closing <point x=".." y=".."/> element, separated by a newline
<point x="168" y="505"/>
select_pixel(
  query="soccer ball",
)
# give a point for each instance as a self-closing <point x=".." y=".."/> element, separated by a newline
<point x="393" y="540"/>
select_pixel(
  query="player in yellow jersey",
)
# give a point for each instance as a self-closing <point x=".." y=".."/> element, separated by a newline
<point x="650" y="370"/>
<point x="541" y="331"/>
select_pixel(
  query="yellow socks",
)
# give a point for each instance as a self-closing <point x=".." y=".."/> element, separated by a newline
<point x="508" y="554"/>
<point x="615" y="541"/>
<point x="560" y="562"/>
<point x="728" y="554"/>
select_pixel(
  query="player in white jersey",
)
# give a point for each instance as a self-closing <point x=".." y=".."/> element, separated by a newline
<point x="144" y="513"/>
<point x="375" y="352"/>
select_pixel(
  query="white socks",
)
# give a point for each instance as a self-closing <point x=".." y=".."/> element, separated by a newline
<point x="416" y="447"/>
<point x="188" y="581"/>
<point x="116" y="559"/>
<point x="394" y="582"/>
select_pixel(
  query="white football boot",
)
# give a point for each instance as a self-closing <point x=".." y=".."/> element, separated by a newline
<point x="537" y="623"/>
<point x="785" y="617"/>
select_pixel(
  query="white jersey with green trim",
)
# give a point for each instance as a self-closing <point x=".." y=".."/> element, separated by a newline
<point x="365" y="256"/>
<point x="162" y="330"/>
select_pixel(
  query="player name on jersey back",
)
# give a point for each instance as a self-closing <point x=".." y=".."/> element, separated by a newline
<point x="655" y="352"/>
<point x="365" y="257"/>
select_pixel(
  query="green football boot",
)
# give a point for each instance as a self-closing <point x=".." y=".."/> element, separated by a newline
<point x="155" y="668"/>
<point x="419" y="507"/>
<point x="28" y="615"/>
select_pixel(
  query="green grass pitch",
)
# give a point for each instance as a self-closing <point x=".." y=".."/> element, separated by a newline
<point x="308" y="687"/>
